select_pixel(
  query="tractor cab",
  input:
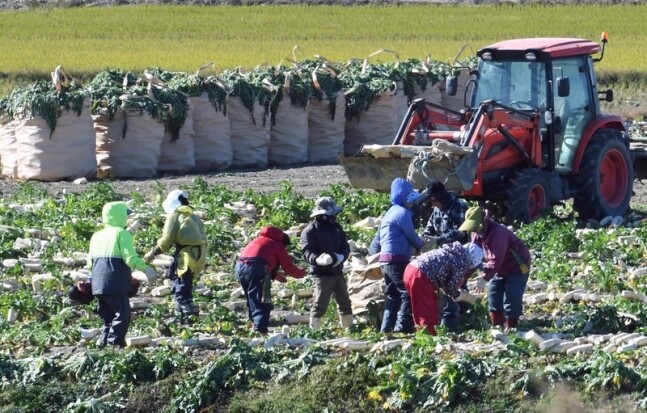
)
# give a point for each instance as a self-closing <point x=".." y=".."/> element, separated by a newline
<point x="552" y="75"/>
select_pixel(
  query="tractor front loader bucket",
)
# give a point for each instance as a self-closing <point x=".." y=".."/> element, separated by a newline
<point x="378" y="165"/>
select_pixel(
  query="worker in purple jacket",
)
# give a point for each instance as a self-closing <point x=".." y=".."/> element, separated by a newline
<point x="506" y="268"/>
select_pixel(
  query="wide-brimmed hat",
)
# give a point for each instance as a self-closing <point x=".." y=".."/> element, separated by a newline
<point x="325" y="206"/>
<point x="172" y="200"/>
<point x="475" y="253"/>
<point x="473" y="220"/>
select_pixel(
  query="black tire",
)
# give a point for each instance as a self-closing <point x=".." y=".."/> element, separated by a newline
<point x="605" y="180"/>
<point x="527" y="197"/>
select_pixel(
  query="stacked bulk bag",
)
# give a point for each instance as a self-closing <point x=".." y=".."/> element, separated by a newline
<point x="326" y="120"/>
<point x="248" y="109"/>
<point x="7" y="146"/>
<point x="177" y="153"/>
<point x="54" y="138"/>
<point x="212" y="142"/>
<point x="372" y="106"/>
<point x="129" y="125"/>
<point x="289" y="117"/>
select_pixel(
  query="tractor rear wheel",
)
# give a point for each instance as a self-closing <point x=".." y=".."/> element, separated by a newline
<point x="528" y="197"/>
<point x="605" y="180"/>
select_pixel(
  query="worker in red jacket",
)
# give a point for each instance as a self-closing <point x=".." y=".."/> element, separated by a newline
<point x="257" y="266"/>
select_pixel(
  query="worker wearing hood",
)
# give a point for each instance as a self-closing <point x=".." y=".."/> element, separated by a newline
<point x="183" y="233"/>
<point x="395" y="241"/>
<point x="260" y="263"/>
<point x="111" y="257"/>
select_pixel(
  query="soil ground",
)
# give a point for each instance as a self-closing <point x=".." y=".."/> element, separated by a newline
<point x="308" y="180"/>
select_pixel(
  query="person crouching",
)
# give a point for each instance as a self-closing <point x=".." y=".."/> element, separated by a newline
<point x="446" y="269"/>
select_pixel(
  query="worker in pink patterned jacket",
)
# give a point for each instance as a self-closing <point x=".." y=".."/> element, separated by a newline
<point x="444" y="268"/>
<point x="506" y="268"/>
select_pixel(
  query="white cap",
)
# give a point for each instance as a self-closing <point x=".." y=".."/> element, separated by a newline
<point x="475" y="253"/>
<point x="172" y="200"/>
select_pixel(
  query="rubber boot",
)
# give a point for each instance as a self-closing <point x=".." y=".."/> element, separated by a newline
<point x="346" y="320"/>
<point x="511" y="323"/>
<point x="315" y="323"/>
<point x="498" y="318"/>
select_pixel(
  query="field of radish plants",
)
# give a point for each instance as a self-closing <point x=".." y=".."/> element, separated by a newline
<point x="579" y="345"/>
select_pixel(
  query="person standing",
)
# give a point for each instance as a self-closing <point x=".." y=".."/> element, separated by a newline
<point x="442" y="228"/>
<point x="184" y="232"/>
<point x="258" y="264"/>
<point x="507" y="265"/>
<point x="395" y="241"/>
<point x="445" y="268"/>
<point x="325" y="247"/>
<point x="111" y="258"/>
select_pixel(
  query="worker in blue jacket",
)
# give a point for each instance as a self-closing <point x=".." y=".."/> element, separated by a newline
<point x="396" y="241"/>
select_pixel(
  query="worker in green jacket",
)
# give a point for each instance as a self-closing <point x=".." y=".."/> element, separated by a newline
<point x="184" y="233"/>
<point x="111" y="258"/>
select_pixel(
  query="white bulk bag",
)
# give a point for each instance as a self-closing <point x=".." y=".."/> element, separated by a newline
<point x="178" y="157"/>
<point x="212" y="142"/>
<point x="8" y="147"/>
<point x="67" y="153"/>
<point x="289" y="134"/>
<point x="326" y="134"/>
<point x="378" y="125"/>
<point x="135" y="156"/>
<point x="250" y="134"/>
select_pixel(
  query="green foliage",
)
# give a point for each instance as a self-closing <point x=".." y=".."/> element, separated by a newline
<point x="43" y="99"/>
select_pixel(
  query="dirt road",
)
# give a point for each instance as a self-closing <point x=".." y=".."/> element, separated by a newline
<point x="308" y="181"/>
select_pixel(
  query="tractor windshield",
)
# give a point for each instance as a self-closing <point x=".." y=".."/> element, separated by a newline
<point x="520" y="84"/>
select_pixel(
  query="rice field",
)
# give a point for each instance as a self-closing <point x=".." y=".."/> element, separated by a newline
<point x="86" y="40"/>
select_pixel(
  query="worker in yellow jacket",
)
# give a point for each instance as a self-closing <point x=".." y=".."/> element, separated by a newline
<point x="183" y="231"/>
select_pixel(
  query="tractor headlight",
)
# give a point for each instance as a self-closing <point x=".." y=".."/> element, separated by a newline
<point x="486" y="56"/>
<point x="531" y="56"/>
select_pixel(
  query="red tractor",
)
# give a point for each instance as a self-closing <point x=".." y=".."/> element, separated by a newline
<point x="533" y="135"/>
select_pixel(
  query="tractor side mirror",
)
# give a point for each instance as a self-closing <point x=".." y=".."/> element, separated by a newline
<point x="451" y="85"/>
<point x="563" y="87"/>
<point x="608" y="95"/>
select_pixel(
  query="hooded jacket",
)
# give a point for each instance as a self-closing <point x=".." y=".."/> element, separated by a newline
<point x="498" y="242"/>
<point x="324" y="236"/>
<point x="112" y="255"/>
<point x="269" y="246"/>
<point x="397" y="238"/>
<point x="186" y="230"/>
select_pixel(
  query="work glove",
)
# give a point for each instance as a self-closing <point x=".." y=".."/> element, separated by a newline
<point x="151" y="274"/>
<point x="324" y="259"/>
<point x="481" y="284"/>
<point x="150" y="256"/>
<point x="466" y="297"/>
<point x="339" y="259"/>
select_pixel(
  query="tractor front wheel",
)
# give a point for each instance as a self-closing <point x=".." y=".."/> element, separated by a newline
<point x="527" y="198"/>
<point x="605" y="179"/>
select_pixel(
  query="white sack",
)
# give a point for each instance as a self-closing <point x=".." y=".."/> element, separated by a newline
<point x="212" y="142"/>
<point x="69" y="152"/>
<point x="250" y="134"/>
<point x="135" y="156"/>
<point x="289" y="134"/>
<point x="326" y="134"/>
<point x="178" y="157"/>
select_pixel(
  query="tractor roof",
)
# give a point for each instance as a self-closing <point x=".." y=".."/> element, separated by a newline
<point x="544" y="47"/>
